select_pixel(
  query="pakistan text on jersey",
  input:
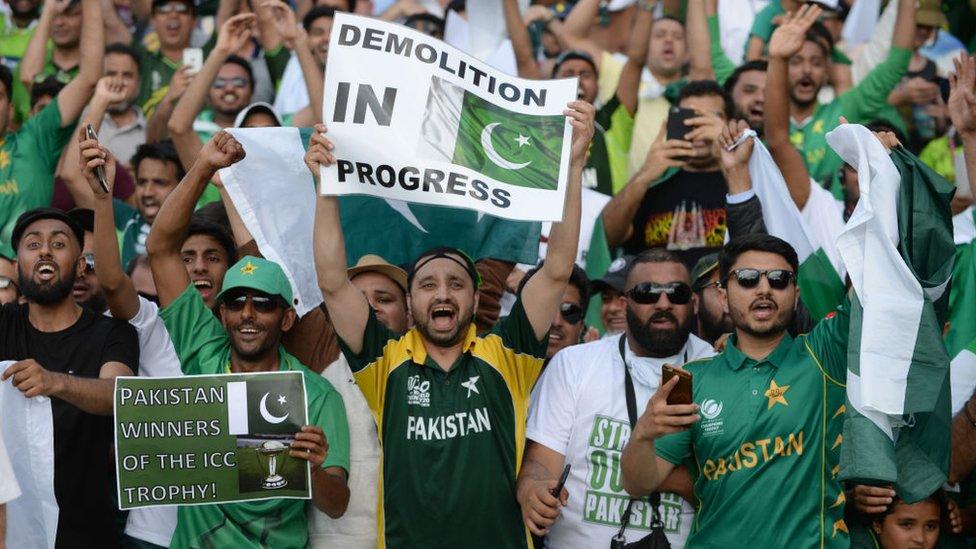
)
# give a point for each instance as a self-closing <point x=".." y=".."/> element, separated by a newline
<point x="174" y="396"/>
<point x="750" y="454"/>
<point x="456" y="425"/>
<point x="430" y="180"/>
<point x="378" y="40"/>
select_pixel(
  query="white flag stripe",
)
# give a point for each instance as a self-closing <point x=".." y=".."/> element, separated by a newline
<point x="891" y="296"/>
<point x="237" y="408"/>
<point x="962" y="375"/>
<point x="274" y="194"/>
<point x="438" y="134"/>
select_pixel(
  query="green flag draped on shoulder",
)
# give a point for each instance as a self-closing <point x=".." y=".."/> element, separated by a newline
<point x="274" y="193"/>
<point x="899" y="252"/>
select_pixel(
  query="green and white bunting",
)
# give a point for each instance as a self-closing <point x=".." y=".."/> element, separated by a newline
<point x="430" y="124"/>
<point x="899" y="251"/>
<point x="198" y="440"/>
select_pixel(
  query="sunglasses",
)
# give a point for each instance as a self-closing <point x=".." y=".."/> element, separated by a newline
<point x="571" y="312"/>
<point x="172" y="7"/>
<point x="261" y="303"/>
<point x="6" y="282"/>
<point x="237" y="82"/>
<point x="648" y="293"/>
<point x="89" y="262"/>
<point x="779" y="279"/>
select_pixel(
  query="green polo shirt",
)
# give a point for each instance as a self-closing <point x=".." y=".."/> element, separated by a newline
<point x="452" y="441"/>
<point x="866" y="102"/>
<point x="203" y="347"/>
<point x="766" y="452"/>
<point x="28" y="158"/>
<point x="21" y="95"/>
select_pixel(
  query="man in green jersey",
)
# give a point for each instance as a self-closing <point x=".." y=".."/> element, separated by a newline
<point x="767" y="417"/>
<point x="450" y="405"/>
<point x="16" y="28"/>
<point x="807" y="65"/>
<point x="255" y="309"/>
<point x="29" y="156"/>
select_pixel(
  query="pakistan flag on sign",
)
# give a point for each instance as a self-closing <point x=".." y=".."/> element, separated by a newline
<point x="464" y="129"/>
<point x="266" y="404"/>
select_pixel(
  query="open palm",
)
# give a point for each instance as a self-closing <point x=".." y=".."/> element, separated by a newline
<point x="789" y="37"/>
<point x="962" y="101"/>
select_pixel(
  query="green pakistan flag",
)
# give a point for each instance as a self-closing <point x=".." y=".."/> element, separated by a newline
<point x="510" y="147"/>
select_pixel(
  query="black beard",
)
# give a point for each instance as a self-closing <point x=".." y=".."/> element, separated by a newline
<point x="48" y="293"/>
<point x="449" y="341"/>
<point x="96" y="303"/>
<point x="804" y="103"/>
<point x="773" y="331"/>
<point x="710" y="329"/>
<point x="659" y="343"/>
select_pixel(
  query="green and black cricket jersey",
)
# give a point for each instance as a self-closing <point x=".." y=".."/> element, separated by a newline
<point x="452" y="440"/>
<point x="765" y="454"/>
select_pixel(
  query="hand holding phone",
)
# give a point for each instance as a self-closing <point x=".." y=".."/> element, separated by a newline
<point x="99" y="170"/>
<point x="677" y="116"/>
<point x="681" y="393"/>
<point x="193" y="58"/>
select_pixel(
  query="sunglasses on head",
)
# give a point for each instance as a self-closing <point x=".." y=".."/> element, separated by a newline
<point x="172" y="7"/>
<point x="220" y="83"/>
<point x="6" y="282"/>
<point x="261" y="303"/>
<point x="89" y="262"/>
<point x="779" y="279"/>
<point x="648" y="293"/>
<point x="571" y="312"/>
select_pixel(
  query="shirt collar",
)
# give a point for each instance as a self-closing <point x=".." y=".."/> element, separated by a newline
<point x="736" y="359"/>
<point x="418" y="350"/>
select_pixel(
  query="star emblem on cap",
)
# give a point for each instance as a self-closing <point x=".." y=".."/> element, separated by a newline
<point x="248" y="268"/>
<point x="4" y="159"/>
<point x="775" y="394"/>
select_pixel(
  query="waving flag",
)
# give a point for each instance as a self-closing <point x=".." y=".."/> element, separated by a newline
<point x="821" y="280"/>
<point x="899" y="250"/>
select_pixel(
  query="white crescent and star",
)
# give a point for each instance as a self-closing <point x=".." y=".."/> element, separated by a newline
<point x="267" y="415"/>
<point x="493" y="155"/>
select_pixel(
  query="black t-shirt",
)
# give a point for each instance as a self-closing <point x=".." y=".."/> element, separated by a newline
<point x="684" y="213"/>
<point x="84" y="468"/>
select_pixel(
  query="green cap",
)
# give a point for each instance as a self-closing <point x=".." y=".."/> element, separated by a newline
<point x="256" y="273"/>
<point x="706" y="264"/>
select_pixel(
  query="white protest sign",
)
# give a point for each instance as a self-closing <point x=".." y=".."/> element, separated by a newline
<point x="417" y="120"/>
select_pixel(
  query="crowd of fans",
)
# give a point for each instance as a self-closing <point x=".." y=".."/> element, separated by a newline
<point x="447" y="396"/>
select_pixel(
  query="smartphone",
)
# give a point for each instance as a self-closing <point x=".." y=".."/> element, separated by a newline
<point x="100" y="170"/>
<point x="562" y="482"/>
<point x="681" y="394"/>
<point x="676" y="122"/>
<point x="193" y="58"/>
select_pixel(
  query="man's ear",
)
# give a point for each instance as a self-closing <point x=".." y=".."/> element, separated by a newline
<point x="288" y="319"/>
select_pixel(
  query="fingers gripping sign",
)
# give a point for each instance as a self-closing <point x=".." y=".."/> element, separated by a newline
<point x="319" y="153"/>
<point x="311" y="445"/>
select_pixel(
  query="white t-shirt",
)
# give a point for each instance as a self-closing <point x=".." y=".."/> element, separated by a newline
<point x="157" y="358"/>
<point x="9" y="489"/>
<point x="579" y="409"/>
<point x="356" y="529"/>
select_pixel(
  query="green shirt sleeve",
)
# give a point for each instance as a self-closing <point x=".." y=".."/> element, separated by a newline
<point x="517" y="333"/>
<point x="196" y="333"/>
<point x="871" y="95"/>
<point x="762" y="25"/>
<point x="721" y="64"/>
<point x="674" y="448"/>
<point x="828" y="341"/>
<point x="46" y="136"/>
<point x="329" y="413"/>
<point x="375" y="338"/>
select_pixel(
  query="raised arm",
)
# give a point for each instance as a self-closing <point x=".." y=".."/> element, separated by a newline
<point x="630" y="76"/>
<point x="156" y="127"/>
<point x="699" y="42"/>
<point x="32" y="62"/>
<point x="962" y="110"/>
<point x="574" y="32"/>
<point x="785" y="42"/>
<point x="543" y="292"/>
<point x="119" y="292"/>
<point x="231" y="37"/>
<point x="73" y="98"/>
<point x="108" y="91"/>
<point x="169" y="228"/>
<point x="521" y="43"/>
<point x="294" y="37"/>
<point x="347" y="306"/>
<point x="115" y="29"/>
<point x="619" y="213"/>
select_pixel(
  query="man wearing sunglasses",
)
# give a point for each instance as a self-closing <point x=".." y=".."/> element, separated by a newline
<point x="87" y="291"/>
<point x="579" y="415"/>
<point x="713" y="320"/>
<point x="567" y="326"/>
<point x="766" y="418"/>
<point x="255" y="309"/>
